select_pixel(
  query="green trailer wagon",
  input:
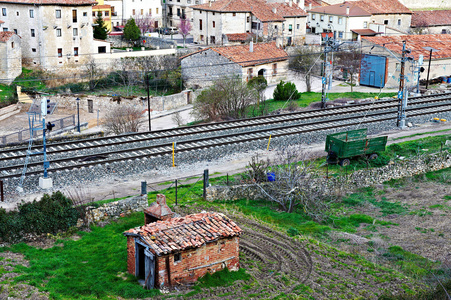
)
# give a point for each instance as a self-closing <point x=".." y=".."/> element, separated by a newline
<point x="343" y="146"/>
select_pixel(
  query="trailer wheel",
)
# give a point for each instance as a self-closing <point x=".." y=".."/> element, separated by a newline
<point x="345" y="162"/>
<point x="372" y="156"/>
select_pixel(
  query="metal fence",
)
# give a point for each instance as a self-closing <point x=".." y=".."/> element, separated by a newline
<point x="181" y="188"/>
<point x="24" y="135"/>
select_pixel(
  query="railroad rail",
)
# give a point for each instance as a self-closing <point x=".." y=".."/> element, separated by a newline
<point x="71" y="155"/>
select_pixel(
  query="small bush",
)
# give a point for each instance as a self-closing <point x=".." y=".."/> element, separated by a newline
<point x="286" y="91"/>
<point x="48" y="215"/>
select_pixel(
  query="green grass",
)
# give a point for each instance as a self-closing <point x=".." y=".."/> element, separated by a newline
<point x="420" y="134"/>
<point x="93" y="267"/>
<point x="222" y="278"/>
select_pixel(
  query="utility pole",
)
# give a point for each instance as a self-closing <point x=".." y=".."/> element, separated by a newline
<point x="324" y="76"/>
<point x="402" y="93"/>
<point x="148" y="100"/>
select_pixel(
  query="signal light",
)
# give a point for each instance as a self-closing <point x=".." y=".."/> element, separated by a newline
<point x="422" y="69"/>
<point x="50" y="126"/>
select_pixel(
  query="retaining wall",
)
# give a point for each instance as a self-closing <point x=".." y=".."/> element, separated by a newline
<point x="114" y="209"/>
<point x="8" y="111"/>
<point x="362" y="178"/>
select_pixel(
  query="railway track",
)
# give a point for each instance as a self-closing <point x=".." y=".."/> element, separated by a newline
<point x="91" y="152"/>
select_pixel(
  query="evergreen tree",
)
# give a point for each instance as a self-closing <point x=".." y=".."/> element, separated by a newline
<point x="131" y="30"/>
<point x="100" y="31"/>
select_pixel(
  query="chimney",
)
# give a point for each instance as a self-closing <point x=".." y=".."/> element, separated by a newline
<point x="158" y="211"/>
<point x="251" y="46"/>
<point x="310" y="6"/>
<point x="209" y="3"/>
<point x="274" y="10"/>
<point x="347" y="11"/>
<point x="290" y="3"/>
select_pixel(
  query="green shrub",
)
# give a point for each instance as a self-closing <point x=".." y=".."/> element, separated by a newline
<point x="285" y="91"/>
<point x="258" y="82"/>
<point x="48" y="215"/>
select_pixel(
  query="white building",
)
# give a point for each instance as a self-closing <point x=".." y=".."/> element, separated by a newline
<point x="123" y="10"/>
<point x="10" y="56"/>
<point x="54" y="33"/>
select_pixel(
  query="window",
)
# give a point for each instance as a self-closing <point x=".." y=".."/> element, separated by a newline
<point x="178" y="12"/>
<point x="156" y="10"/>
<point x="60" y="52"/>
<point x="3" y="11"/>
<point x="274" y="69"/>
<point x="297" y="26"/>
<point x="85" y="14"/>
<point x="17" y="13"/>
<point x="177" y="257"/>
<point x="150" y="11"/>
<point x="365" y="24"/>
<point x="31" y="13"/>
<point x="214" y="24"/>
<point x="313" y="16"/>
<point x="397" y="67"/>
<point x="101" y="49"/>
<point x="133" y="12"/>
<point x="340" y="20"/>
<point x="33" y="49"/>
<point x="340" y="34"/>
<point x="107" y="14"/>
<point x="200" y="24"/>
<point x="197" y="1"/>
<point x="331" y="19"/>
<point x="142" y="12"/>
<point x="250" y="73"/>
<point x="202" y="37"/>
<point x="399" y="22"/>
<point x="32" y="33"/>
<point x="15" y="31"/>
<point x="213" y="13"/>
<point x="386" y="22"/>
<point x="234" y="14"/>
<point x="444" y="31"/>
<point x="93" y="13"/>
<point x="58" y="32"/>
<point x="12" y="44"/>
<point x="290" y="28"/>
<point x="212" y="39"/>
<point x="75" y="31"/>
<point x="74" y="16"/>
<point x="75" y="51"/>
<point x="321" y="18"/>
<point x="5" y="29"/>
<point x="58" y="13"/>
<point x="188" y="1"/>
<point x="248" y="19"/>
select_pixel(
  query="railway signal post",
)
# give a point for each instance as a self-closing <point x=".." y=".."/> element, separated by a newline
<point x="45" y="182"/>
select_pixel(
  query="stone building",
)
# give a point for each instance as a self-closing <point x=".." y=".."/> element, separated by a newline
<point x="179" y="250"/>
<point x="55" y="33"/>
<point x="10" y="56"/>
<point x="270" y="20"/>
<point x="391" y="47"/>
<point x="202" y="68"/>
<point x="431" y="22"/>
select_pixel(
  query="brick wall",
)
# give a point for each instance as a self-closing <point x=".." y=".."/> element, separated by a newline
<point x="131" y="255"/>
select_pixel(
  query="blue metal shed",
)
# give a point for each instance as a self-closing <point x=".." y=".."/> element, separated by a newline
<point x="373" y="69"/>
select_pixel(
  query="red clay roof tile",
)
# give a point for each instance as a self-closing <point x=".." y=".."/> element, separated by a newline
<point x="441" y="42"/>
<point x="382" y="7"/>
<point x="52" y="2"/>
<point x="6" y="35"/>
<point x="341" y="9"/>
<point x="177" y="234"/>
<point x="431" y="18"/>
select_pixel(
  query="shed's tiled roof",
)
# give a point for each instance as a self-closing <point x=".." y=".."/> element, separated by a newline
<point x="265" y="12"/>
<point x="5" y="35"/>
<point x="341" y="8"/>
<point x="239" y="37"/>
<point x="262" y="53"/>
<point x="431" y="18"/>
<point x="51" y="2"/>
<point x="441" y="42"/>
<point x="191" y="231"/>
<point x="382" y="7"/>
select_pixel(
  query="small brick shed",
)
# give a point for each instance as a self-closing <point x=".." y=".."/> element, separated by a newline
<point x="180" y="250"/>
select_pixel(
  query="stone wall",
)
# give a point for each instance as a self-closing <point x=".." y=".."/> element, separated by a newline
<point x="153" y="42"/>
<point x="114" y="209"/>
<point x="361" y="178"/>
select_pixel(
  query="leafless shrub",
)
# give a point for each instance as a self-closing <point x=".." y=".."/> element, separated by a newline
<point x="80" y="196"/>
<point x="257" y="169"/>
<point x="177" y="118"/>
<point x="122" y="119"/>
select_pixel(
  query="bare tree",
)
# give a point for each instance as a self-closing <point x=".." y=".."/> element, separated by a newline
<point x="145" y="22"/>
<point x="297" y="184"/>
<point x="350" y="60"/>
<point x="305" y="64"/>
<point x="122" y="119"/>
<point x="127" y="74"/>
<point x="227" y="98"/>
<point x="93" y="73"/>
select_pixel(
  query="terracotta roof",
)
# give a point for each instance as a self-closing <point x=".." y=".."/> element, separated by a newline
<point x="441" y="42"/>
<point x="191" y="231"/>
<point x="314" y="3"/>
<point x="382" y="7"/>
<point x="159" y="208"/>
<point x="5" y="35"/>
<point x="239" y="37"/>
<point x="431" y="18"/>
<point x="104" y="6"/>
<point x="1" y="22"/>
<point x="364" y="32"/>
<point x="51" y="2"/>
<point x="340" y="10"/>
<point x="262" y="53"/>
<point x="265" y="12"/>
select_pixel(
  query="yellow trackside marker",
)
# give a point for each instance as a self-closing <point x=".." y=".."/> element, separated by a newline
<point x="443" y="120"/>
<point x="376" y="97"/>
<point x="269" y="141"/>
